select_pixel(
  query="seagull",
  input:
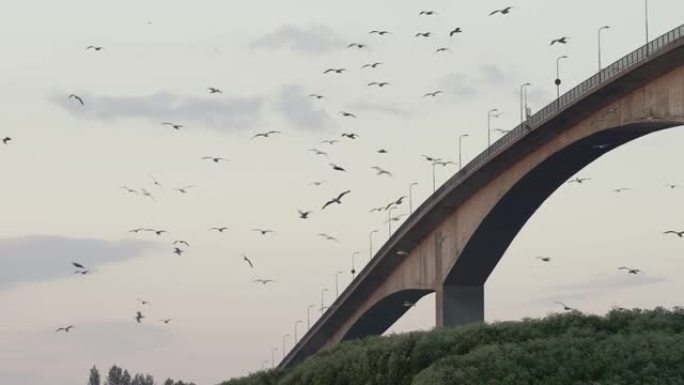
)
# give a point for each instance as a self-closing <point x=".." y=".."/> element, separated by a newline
<point x="317" y="183"/>
<point x="381" y="171"/>
<point x="337" y="168"/>
<point x="328" y="237"/>
<point x="377" y="209"/>
<point x="680" y="234"/>
<point x="82" y="272"/>
<point x="381" y="33"/>
<point x="504" y="11"/>
<point x="431" y="158"/>
<point x="399" y="201"/>
<point x="147" y="194"/>
<point x="501" y="130"/>
<point x="6" y="140"/>
<point x="317" y="96"/>
<point x="379" y="84"/>
<point x="181" y="242"/>
<point x="78" y="265"/>
<point x="566" y="307"/>
<point x="263" y="281"/>
<point x="560" y="40"/>
<point x="350" y="135"/>
<point x="219" y="229"/>
<point x="455" y="31"/>
<point x="427" y="13"/>
<point x="672" y="186"/>
<point x="174" y="125"/>
<point x="630" y="270"/>
<point x="336" y="200"/>
<point x="138" y="317"/>
<point x="433" y="94"/>
<point x="347" y="114"/>
<point x="78" y="98"/>
<point x="184" y="190"/>
<point x="579" y="180"/>
<point x="155" y="181"/>
<point x="143" y="302"/>
<point x="129" y="190"/>
<point x="382" y="151"/>
<point x="371" y="65"/>
<point x="304" y="214"/>
<point x="544" y="259"/>
<point x="158" y="232"/>
<point x="335" y="70"/>
<point x="423" y="34"/>
<point x="357" y="45"/>
<point x="214" y="159"/>
<point x="397" y="218"/>
<point x="166" y="321"/>
<point x="249" y="261"/>
<point x="442" y="49"/>
<point x="213" y="90"/>
<point x="64" y="329"/>
<point x="621" y="189"/>
<point x="444" y="163"/>
<point x="266" y="134"/>
<point x="178" y="251"/>
<point x="318" y="152"/>
<point x="330" y="142"/>
<point x="263" y="231"/>
<point x="138" y="230"/>
<point x="93" y="47"/>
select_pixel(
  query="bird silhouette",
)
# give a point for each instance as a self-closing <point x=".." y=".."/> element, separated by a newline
<point x="621" y="189"/>
<point x="317" y="96"/>
<point x="174" y="125"/>
<point x="249" y="261"/>
<point x="317" y="183"/>
<point x="183" y="190"/>
<point x="147" y="194"/>
<point x="337" y="168"/>
<point x="504" y="11"/>
<point x="328" y="237"/>
<point x="181" y="242"/>
<point x="630" y="270"/>
<point x="579" y="180"/>
<point x="337" y="200"/>
<point x="330" y="142"/>
<point x="138" y="317"/>
<point x="166" y="321"/>
<point x="219" y="229"/>
<point x="433" y="94"/>
<point x="77" y="98"/>
<point x="95" y="48"/>
<point x="143" y="302"/>
<point x="444" y="163"/>
<point x="357" y="45"/>
<point x="672" y="186"/>
<point x="381" y="33"/>
<point x="214" y="159"/>
<point x="155" y="181"/>
<point x="442" y="49"/>
<point x="263" y="231"/>
<point x="680" y="234"/>
<point x="66" y="329"/>
<point x="178" y="251"/>
<point x="560" y="40"/>
<point x="318" y="152"/>
<point x="78" y="265"/>
<point x="381" y="171"/>
<point x="136" y="231"/>
<point x="347" y="114"/>
<point x="427" y="13"/>
<point x="263" y="281"/>
<point x="455" y="31"/>
<point x="371" y="65"/>
<point x="304" y="214"/>
<point x="566" y="307"/>
<point x="378" y="84"/>
<point x="382" y="151"/>
<point x="6" y="140"/>
<point x="158" y="232"/>
<point x="431" y="158"/>
<point x="266" y="134"/>
<point x="544" y="259"/>
<point x="335" y="70"/>
<point x="350" y="135"/>
<point x="129" y="190"/>
<point x="423" y="34"/>
<point x="213" y="90"/>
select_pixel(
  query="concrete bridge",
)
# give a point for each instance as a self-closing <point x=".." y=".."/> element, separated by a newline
<point x="454" y="240"/>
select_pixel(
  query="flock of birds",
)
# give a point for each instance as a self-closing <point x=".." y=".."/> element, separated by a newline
<point x="179" y="246"/>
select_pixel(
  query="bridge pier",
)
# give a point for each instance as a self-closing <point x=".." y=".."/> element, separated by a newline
<point x="459" y="305"/>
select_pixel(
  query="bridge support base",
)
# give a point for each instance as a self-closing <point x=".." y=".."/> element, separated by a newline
<point x="459" y="305"/>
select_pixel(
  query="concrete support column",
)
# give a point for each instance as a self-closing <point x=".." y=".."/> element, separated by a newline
<point x="459" y="305"/>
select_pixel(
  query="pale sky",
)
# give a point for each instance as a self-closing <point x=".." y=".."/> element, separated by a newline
<point x="63" y="169"/>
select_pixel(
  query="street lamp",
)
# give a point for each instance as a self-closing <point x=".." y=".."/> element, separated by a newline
<point x="284" y="338"/>
<point x="411" y="196"/>
<point x="308" y="316"/>
<point x="460" y="150"/>
<point x="389" y="211"/>
<point x="599" y="45"/>
<point x="646" y="18"/>
<point x="371" y="243"/>
<point x="558" y="81"/>
<point x="353" y="269"/>
<point x="273" y="357"/>
<point x="523" y="104"/>
<point x="295" y="330"/>
<point x="489" y="124"/>
<point x="322" y="305"/>
<point x="337" y="288"/>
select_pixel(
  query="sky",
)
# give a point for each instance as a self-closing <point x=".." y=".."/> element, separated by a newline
<point x="63" y="170"/>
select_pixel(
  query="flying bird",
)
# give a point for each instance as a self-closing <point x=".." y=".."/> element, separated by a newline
<point x="350" y="135"/>
<point x="381" y="171"/>
<point x="566" y="307"/>
<point x="379" y="84"/>
<point x="504" y="11"/>
<point x="317" y="96"/>
<point x="138" y="317"/>
<point x="442" y="49"/>
<point x="183" y="190"/>
<point x="266" y="134"/>
<point x="330" y="142"/>
<point x="427" y="13"/>
<point x="672" y="186"/>
<point x="77" y="98"/>
<point x="347" y="114"/>
<point x="166" y="321"/>
<point x="381" y="33"/>
<point x="178" y="251"/>
<point x="501" y="130"/>
<point x="304" y="214"/>
<point x="213" y="90"/>
<point x="544" y="259"/>
<point x="423" y="34"/>
<point x="357" y="45"/>
<point x="64" y="329"/>
<point x="579" y="180"/>
<point x="6" y="140"/>
<point x="181" y="242"/>
<point x="382" y="151"/>
<point x="455" y="31"/>
<point x="371" y="65"/>
<point x="214" y="159"/>
<point x="158" y="232"/>
<point x="174" y="125"/>
<point x="317" y="183"/>
<point x="155" y="181"/>
<point x="219" y="229"/>
<point x="431" y="158"/>
<point x="147" y="194"/>
<point x="263" y="231"/>
<point x="78" y="265"/>
<point x="621" y="189"/>
<point x="129" y="190"/>
<point x="249" y="261"/>
<point x="680" y="234"/>
<point x="444" y="163"/>
<point x="143" y="302"/>
<point x="328" y="237"/>
<point x="138" y="230"/>
<point x="96" y="48"/>
<point x="318" y="152"/>
<point x="337" y="168"/>
<point x="263" y="281"/>
<point x="560" y="40"/>
<point x="335" y="70"/>
<point x="630" y="270"/>
<point x="433" y="94"/>
<point x="337" y="200"/>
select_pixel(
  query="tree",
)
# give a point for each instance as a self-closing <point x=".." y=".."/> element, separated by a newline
<point x="94" y="376"/>
<point x="115" y="376"/>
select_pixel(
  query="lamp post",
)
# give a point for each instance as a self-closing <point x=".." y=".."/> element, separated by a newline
<point x="337" y="287"/>
<point x="295" y="330"/>
<point x="353" y="268"/>
<point x="308" y="317"/>
<point x="284" y="338"/>
<point x="599" y="45"/>
<point x="460" y="150"/>
<point x="273" y="357"/>
<point x="370" y="244"/>
<point x="646" y="18"/>
<point x="489" y="124"/>
<point x="522" y="103"/>
<point x="322" y="304"/>
<point x="411" y="196"/>
<point x="389" y="213"/>
<point x="558" y="81"/>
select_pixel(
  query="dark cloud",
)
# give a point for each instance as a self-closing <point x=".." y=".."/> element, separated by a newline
<point x="316" y="39"/>
<point x="41" y="258"/>
<point x="216" y="112"/>
<point x="300" y="110"/>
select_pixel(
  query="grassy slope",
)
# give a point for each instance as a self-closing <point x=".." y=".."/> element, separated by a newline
<point x="624" y="347"/>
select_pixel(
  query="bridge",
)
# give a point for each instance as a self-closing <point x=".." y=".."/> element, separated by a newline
<point x="454" y="240"/>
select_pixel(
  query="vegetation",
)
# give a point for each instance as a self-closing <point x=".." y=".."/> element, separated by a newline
<point x="119" y="376"/>
<point x="623" y="348"/>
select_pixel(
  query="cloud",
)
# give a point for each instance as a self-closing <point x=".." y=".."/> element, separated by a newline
<point x="220" y="112"/>
<point x="463" y="86"/>
<point x="300" y="110"/>
<point x="492" y="75"/>
<point x="388" y="109"/>
<point x="458" y="85"/>
<point x="41" y="258"/>
<point x="597" y="285"/>
<point x="317" y="39"/>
